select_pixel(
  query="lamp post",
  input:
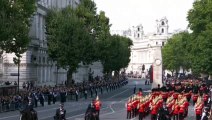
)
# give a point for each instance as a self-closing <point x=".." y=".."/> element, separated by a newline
<point x="18" y="72"/>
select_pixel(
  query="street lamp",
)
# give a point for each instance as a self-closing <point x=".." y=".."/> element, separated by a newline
<point x="17" y="61"/>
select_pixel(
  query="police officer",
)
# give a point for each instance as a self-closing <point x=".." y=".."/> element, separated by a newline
<point x="60" y="113"/>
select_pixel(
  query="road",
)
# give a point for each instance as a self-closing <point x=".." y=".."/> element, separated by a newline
<point x="113" y="106"/>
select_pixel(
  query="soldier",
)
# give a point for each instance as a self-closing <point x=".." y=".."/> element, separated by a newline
<point x="205" y="98"/>
<point x="198" y="108"/>
<point x="163" y="113"/>
<point x="194" y="97"/>
<point x="206" y="114"/>
<point x="60" y="113"/>
<point x="141" y="108"/>
<point x="154" y="109"/>
<point x="175" y="109"/>
<point x="97" y="106"/>
<point x="129" y="109"/>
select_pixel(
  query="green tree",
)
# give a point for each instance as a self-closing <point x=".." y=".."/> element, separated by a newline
<point x="14" y="25"/>
<point x="118" y="54"/>
<point x="176" y="53"/>
<point x="67" y="39"/>
<point x="200" y="22"/>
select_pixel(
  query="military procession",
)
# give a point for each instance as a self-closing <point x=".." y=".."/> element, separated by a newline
<point x="172" y="101"/>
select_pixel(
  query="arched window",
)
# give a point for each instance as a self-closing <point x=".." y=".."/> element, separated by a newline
<point x="162" y="23"/>
<point x="138" y="35"/>
<point x="162" y="30"/>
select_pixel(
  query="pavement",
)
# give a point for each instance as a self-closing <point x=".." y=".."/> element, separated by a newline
<point x="113" y="105"/>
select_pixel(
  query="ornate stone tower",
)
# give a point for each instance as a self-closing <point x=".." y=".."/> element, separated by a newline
<point x="162" y="26"/>
<point x="138" y="31"/>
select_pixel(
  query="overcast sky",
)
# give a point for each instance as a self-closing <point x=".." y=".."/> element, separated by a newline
<point x="126" y="13"/>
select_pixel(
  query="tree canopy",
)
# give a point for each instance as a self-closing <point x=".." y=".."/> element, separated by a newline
<point x="82" y="36"/>
<point x="200" y="22"/>
<point x="192" y="50"/>
<point x="14" y="25"/>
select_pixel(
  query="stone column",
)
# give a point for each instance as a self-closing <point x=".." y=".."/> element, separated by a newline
<point x="157" y="67"/>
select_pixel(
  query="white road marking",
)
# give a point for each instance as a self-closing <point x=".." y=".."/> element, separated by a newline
<point x="118" y="94"/>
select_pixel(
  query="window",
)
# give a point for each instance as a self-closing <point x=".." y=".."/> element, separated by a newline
<point x="138" y="29"/>
<point x="162" y="30"/>
<point x="162" y="43"/>
<point x="138" y="35"/>
<point x="162" y="23"/>
<point x="44" y="60"/>
<point x="156" y="43"/>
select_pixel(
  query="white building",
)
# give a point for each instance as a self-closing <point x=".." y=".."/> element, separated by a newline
<point x="35" y="64"/>
<point x="144" y="45"/>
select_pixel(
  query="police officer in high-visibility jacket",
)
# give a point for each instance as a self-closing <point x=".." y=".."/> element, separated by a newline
<point x="97" y="106"/>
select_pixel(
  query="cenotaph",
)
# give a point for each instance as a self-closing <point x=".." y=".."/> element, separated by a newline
<point x="157" y="67"/>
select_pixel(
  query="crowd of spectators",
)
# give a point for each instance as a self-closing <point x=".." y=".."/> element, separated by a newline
<point x="40" y="96"/>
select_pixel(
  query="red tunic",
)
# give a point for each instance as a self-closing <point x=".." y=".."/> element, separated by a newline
<point x="182" y="108"/>
<point x="141" y="107"/>
<point x="198" y="109"/>
<point x="129" y="106"/>
<point x="176" y="109"/>
<point x="205" y="97"/>
<point x="154" y="110"/>
<point x="195" y="97"/>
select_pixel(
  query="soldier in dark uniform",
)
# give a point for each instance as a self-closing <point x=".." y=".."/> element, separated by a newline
<point x="206" y="114"/>
<point x="163" y="113"/>
<point x="60" y="113"/>
<point x="91" y="111"/>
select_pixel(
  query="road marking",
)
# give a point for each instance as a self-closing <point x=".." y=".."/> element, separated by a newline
<point x="118" y="94"/>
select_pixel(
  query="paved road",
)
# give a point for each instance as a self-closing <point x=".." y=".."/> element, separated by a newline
<point x="113" y="106"/>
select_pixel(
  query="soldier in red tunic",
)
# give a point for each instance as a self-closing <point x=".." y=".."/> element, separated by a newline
<point x="129" y="109"/>
<point x="141" y="108"/>
<point x="198" y="108"/>
<point x="175" y="109"/>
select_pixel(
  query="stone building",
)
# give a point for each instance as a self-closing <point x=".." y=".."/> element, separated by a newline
<point x="35" y="64"/>
<point x="144" y="45"/>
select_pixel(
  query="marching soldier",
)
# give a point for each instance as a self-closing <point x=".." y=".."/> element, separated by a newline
<point x="60" y="113"/>
<point x="175" y="109"/>
<point x="129" y="109"/>
<point x="154" y="109"/>
<point x="141" y="108"/>
<point x="205" y="99"/>
<point x="198" y="108"/>
<point x="97" y="106"/>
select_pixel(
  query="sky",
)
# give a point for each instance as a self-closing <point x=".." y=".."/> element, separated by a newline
<point x="124" y="14"/>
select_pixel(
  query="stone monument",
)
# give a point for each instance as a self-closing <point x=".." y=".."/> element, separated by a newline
<point x="157" y="67"/>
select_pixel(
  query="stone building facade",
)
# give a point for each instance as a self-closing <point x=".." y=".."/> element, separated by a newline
<point x="144" y="45"/>
<point x="35" y="64"/>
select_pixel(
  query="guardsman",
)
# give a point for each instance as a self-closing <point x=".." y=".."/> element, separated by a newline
<point x="198" y="108"/>
<point x="175" y="109"/>
<point x="129" y="109"/>
<point x="60" y="113"/>
<point x="154" y="108"/>
<point x="182" y="108"/>
<point x="194" y="97"/>
<point x="97" y="106"/>
<point x="186" y="103"/>
<point x="170" y="102"/>
<point x="141" y="108"/>
<point x="205" y="99"/>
